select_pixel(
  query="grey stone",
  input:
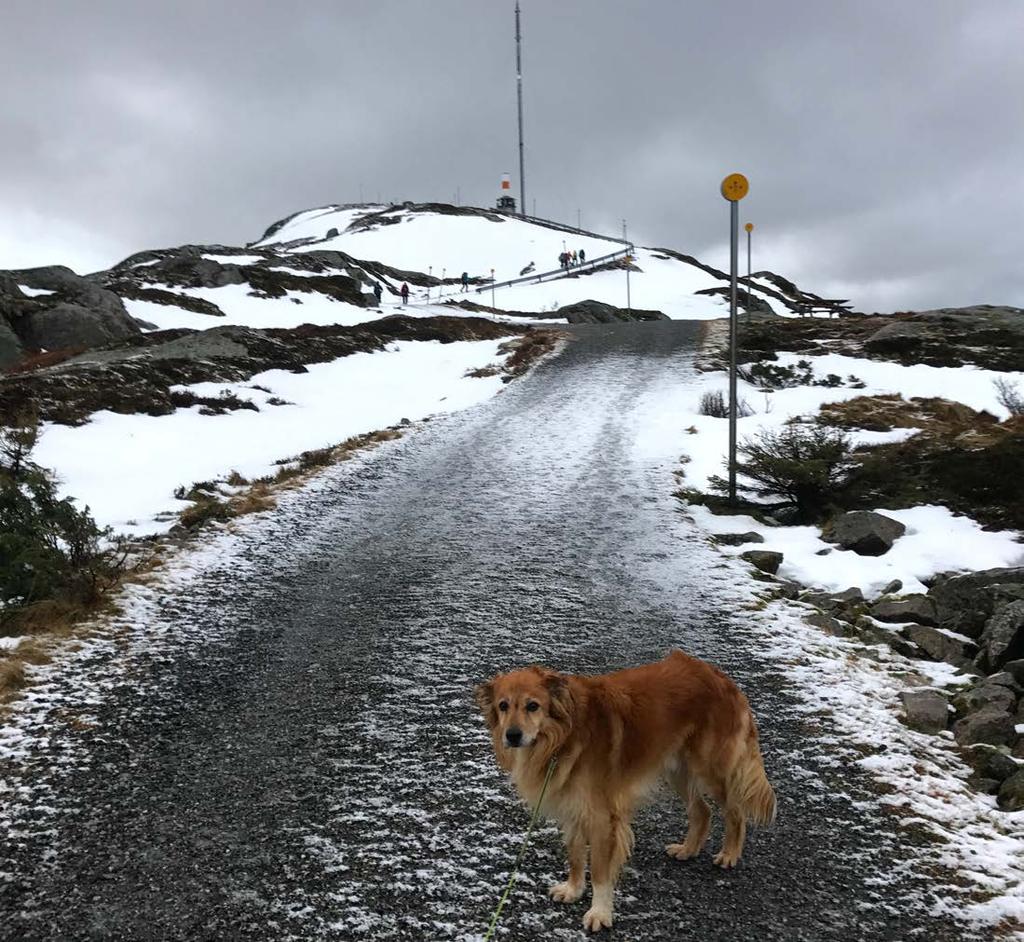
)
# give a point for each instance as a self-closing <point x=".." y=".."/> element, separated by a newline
<point x="916" y="607"/>
<point x="892" y="587"/>
<point x="765" y="560"/>
<point x="1016" y="669"/>
<point x="1011" y="793"/>
<point x="991" y="762"/>
<point x="864" y="532"/>
<point x="985" y="696"/>
<point x="939" y="646"/>
<point x="1004" y="679"/>
<point x="991" y="726"/>
<point x="834" y="601"/>
<point x="11" y="349"/>
<point x="736" y="539"/>
<point x="596" y="312"/>
<point x="926" y="710"/>
<point x="983" y="784"/>
<point x="76" y="314"/>
<point x="1002" y="638"/>
<point x="828" y="624"/>
<point x="964" y="603"/>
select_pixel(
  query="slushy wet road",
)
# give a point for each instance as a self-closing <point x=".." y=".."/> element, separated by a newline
<point x="287" y="748"/>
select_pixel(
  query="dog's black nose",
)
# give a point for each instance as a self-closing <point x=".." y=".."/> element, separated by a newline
<point x="513" y="735"/>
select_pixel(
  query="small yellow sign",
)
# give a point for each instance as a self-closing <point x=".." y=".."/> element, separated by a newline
<point x="735" y="187"/>
<point x="749" y="227"/>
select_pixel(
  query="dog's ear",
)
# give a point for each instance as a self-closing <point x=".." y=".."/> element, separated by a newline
<point x="562" y="702"/>
<point x="484" y="695"/>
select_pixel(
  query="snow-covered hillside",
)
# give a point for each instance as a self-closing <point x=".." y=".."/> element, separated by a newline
<point x="444" y="241"/>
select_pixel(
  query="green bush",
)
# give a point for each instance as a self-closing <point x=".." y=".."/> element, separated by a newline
<point x="804" y="465"/>
<point x="49" y="549"/>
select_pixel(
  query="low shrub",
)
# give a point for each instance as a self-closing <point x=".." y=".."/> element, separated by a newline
<point x="713" y="403"/>
<point x="50" y="551"/>
<point x="804" y="465"/>
<point x="1010" y="397"/>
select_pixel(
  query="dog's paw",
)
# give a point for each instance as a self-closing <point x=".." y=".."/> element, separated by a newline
<point x="681" y="851"/>
<point x="726" y="861"/>
<point x="566" y="892"/>
<point x="597" y="918"/>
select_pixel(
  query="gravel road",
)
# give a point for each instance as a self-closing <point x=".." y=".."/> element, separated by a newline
<point x="288" y="749"/>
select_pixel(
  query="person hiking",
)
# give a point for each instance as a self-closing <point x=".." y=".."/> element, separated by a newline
<point x="405" y="293"/>
<point x="574" y="257"/>
<point x="583" y="257"/>
<point x="465" y="281"/>
<point x="377" y="292"/>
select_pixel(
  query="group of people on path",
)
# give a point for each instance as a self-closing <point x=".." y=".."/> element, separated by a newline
<point x="572" y="259"/>
<point x="378" y="292"/>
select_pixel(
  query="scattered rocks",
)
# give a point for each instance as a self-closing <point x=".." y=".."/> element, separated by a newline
<point x="765" y="560"/>
<point x="1002" y="638"/>
<point x="828" y="624"/>
<point x="915" y="607"/>
<point x="865" y="532"/>
<point x="926" y="710"/>
<point x="596" y="312"/>
<point x="941" y="646"/>
<point x="737" y="539"/>
<point x="964" y="603"/>
<point x="986" y="726"/>
<point x="1011" y="793"/>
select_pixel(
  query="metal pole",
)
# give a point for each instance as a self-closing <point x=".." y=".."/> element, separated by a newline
<point x="519" y="94"/>
<point x="492" y="291"/>
<point x="734" y="228"/>
<point x="749" y="232"/>
<point x="629" y="261"/>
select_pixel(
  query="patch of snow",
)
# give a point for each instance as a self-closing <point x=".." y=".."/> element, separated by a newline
<point x="10" y="643"/>
<point x="126" y="467"/>
<point x="236" y="259"/>
<point x="34" y="292"/>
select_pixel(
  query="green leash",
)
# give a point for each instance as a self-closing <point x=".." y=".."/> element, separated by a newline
<point x="519" y="859"/>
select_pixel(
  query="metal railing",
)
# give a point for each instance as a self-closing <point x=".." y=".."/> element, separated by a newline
<point x="556" y="273"/>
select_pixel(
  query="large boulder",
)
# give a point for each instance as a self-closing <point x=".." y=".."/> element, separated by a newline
<point x="926" y="710"/>
<point x="865" y="532"/>
<point x="765" y="560"/>
<point x="914" y="607"/>
<point x="1011" y="792"/>
<point x="941" y="646"/>
<point x="1002" y="638"/>
<point x="596" y="312"/>
<point x="965" y="603"/>
<point x="989" y="726"/>
<point x="68" y="312"/>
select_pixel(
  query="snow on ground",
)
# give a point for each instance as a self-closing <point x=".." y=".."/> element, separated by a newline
<point x="33" y="292"/>
<point x="235" y="259"/>
<point x="126" y="467"/>
<point x="439" y="243"/>
<point x="935" y="541"/>
<point x="241" y="309"/>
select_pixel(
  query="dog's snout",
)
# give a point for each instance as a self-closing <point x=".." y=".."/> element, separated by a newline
<point x="514" y="736"/>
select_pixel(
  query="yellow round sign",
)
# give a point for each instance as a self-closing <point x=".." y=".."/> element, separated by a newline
<point x="734" y="187"/>
<point x="749" y="227"/>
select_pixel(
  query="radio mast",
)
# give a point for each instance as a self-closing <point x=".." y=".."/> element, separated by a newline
<point x="519" y="90"/>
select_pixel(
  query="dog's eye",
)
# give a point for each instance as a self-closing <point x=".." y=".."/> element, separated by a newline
<point x="532" y="707"/>
<point x="503" y="706"/>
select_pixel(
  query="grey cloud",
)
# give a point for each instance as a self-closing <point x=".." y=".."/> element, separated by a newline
<point x="881" y="140"/>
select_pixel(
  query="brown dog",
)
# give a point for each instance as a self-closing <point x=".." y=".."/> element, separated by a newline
<point x="614" y="736"/>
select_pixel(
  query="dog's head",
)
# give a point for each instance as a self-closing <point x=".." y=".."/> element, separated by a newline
<point x="526" y="707"/>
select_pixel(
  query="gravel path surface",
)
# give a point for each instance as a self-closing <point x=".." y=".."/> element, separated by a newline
<point x="287" y="748"/>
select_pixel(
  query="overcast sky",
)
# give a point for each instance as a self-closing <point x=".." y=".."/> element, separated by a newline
<point x="883" y="141"/>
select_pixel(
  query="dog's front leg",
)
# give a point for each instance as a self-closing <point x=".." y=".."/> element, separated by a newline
<point x="611" y="840"/>
<point x="576" y="849"/>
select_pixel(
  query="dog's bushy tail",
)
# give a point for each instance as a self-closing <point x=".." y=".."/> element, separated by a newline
<point x="750" y="786"/>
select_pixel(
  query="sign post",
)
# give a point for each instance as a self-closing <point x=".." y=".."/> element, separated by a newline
<point x="750" y="228"/>
<point x="734" y="188"/>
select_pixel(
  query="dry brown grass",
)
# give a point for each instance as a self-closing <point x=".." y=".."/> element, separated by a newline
<point x="528" y="349"/>
<point x="884" y="413"/>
